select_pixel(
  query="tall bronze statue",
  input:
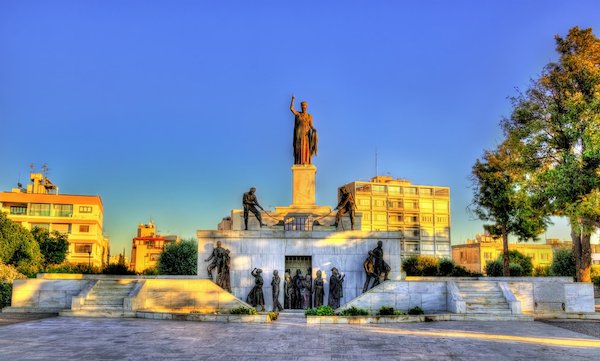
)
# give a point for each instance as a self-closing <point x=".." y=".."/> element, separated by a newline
<point x="375" y="267"/>
<point x="288" y="290"/>
<point x="275" y="288"/>
<point x="250" y="203"/>
<point x="223" y="279"/>
<point x="256" y="297"/>
<point x="217" y="256"/>
<point x="305" y="135"/>
<point x="336" y="289"/>
<point x="346" y="205"/>
<point x="318" y="289"/>
<point x="298" y="281"/>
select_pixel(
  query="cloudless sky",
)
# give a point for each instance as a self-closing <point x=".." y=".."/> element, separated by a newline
<point x="170" y="110"/>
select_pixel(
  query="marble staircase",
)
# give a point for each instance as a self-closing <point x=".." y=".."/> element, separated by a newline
<point x="105" y="299"/>
<point x="483" y="297"/>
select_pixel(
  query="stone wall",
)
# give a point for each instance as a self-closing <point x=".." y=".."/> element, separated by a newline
<point x="266" y="249"/>
<point x="402" y="295"/>
<point x="44" y="294"/>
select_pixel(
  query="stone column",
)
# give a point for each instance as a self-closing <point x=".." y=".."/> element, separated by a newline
<point x="303" y="185"/>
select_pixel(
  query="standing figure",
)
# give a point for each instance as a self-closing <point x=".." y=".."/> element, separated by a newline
<point x="318" y="289"/>
<point x="249" y="200"/>
<point x="256" y="296"/>
<point x="223" y="279"/>
<point x="375" y="267"/>
<point x="297" y="282"/>
<point x="288" y="291"/>
<point x="307" y="292"/>
<point x="336" y="290"/>
<point x="218" y="260"/>
<point x="275" y="288"/>
<point x="346" y="205"/>
<point x="305" y="135"/>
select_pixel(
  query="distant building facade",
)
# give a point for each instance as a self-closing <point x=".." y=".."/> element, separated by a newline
<point x="476" y="253"/>
<point x="80" y="217"/>
<point x="421" y="213"/>
<point x="147" y="247"/>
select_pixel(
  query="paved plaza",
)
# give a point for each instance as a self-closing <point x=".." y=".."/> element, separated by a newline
<point x="289" y="338"/>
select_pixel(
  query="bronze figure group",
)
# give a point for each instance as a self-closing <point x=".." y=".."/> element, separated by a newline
<point x="375" y="267"/>
<point x="221" y="261"/>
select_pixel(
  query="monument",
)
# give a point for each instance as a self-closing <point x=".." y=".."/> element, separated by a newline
<point x="300" y="237"/>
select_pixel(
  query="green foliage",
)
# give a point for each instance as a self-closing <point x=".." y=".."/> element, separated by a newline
<point x="18" y="247"/>
<point x="428" y="265"/>
<point x="310" y="312"/>
<point x="354" y="311"/>
<point x="522" y="260"/>
<point x="563" y="263"/>
<point x="243" y="311"/>
<point x="73" y="268"/>
<point x="516" y="270"/>
<point x="494" y="269"/>
<point x="416" y="311"/>
<point x="9" y="273"/>
<point x="179" y="258"/>
<point x="5" y="294"/>
<point x="273" y="315"/>
<point x="117" y="269"/>
<point x="150" y="271"/>
<point x="421" y="265"/>
<point x="399" y="313"/>
<point x="446" y="267"/>
<point x="53" y="246"/>
<point x="386" y="311"/>
<point x="541" y="271"/>
<point x="595" y="273"/>
<point x="321" y="311"/>
<point x="410" y="266"/>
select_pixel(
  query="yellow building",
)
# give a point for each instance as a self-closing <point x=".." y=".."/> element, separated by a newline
<point x="147" y="247"/>
<point x="475" y="255"/>
<point x="421" y="213"/>
<point x="77" y="216"/>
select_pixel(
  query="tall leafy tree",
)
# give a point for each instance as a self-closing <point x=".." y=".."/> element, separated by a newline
<point x="557" y="124"/>
<point x="502" y="195"/>
<point x="179" y="258"/>
<point x="53" y="246"/>
<point x="17" y="246"/>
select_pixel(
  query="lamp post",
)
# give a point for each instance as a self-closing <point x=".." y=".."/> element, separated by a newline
<point x="89" y="257"/>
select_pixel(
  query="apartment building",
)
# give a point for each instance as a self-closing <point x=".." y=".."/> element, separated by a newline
<point x="147" y="247"/>
<point x="80" y="217"/>
<point x="420" y="212"/>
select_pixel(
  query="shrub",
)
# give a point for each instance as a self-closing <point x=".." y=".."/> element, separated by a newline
<point x="385" y="311"/>
<point x="519" y="258"/>
<point x="416" y="311"/>
<point x="5" y="294"/>
<point x="563" y="263"/>
<point x="410" y="266"/>
<point x="117" y="269"/>
<point x="325" y="311"/>
<point x="9" y="273"/>
<point x="515" y="270"/>
<point x="446" y="267"/>
<point x="179" y="258"/>
<point x="541" y="271"/>
<point x="399" y="313"/>
<point x="310" y="312"/>
<point x="494" y="269"/>
<point x="53" y="246"/>
<point x="595" y="273"/>
<point x="243" y="311"/>
<point x="150" y="271"/>
<point x="73" y="268"/>
<point x="273" y="315"/>
<point x="354" y="311"/>
<point x="428" y="266"/>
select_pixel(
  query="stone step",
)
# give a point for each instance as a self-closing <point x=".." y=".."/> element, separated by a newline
<point x="97" y="313"/>
<point x="490" y="312"/>
<point x="102" y="307"/>
<point x="111" y="301"/>
<point x="103" y="293"/>
<point x="485" y="301"/>
<point x="471" y="309"/>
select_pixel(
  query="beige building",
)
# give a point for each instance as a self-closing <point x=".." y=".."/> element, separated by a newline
<point x="421" y="213"/>
<point x="147" y="247"/>
<point x="476" y="253"/>
<point x="80" y="217"/>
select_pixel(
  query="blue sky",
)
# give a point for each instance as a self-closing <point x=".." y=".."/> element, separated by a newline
<point x="171" y="110"/>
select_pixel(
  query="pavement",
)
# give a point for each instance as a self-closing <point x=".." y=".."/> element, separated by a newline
<point x="290" y="338"/>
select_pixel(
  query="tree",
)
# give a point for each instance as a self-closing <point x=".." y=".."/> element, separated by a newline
<point x="179" y="258"/>
<point x="53" y="246"/>
<point x="556" y="122"/>
<point x="502" y="195"/>
<point x="18" y="247"/>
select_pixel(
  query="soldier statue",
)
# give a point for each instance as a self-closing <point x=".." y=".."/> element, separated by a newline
<point x="275" y="288"/>
<point x="318" y="290"/>
<point x="336" y="289"/>
<point x="346" y="205"/>
<point x="250" y="203"/>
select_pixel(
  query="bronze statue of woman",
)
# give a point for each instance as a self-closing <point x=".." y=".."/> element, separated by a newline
<point x="318" y="290"/>
<point x="305" y="135"/>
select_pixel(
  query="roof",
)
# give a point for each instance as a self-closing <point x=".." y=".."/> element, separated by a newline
<point x="50" y="198"/>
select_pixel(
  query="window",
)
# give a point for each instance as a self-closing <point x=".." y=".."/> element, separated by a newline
<point x="150" y="244"/>
<point x="427" y="218"/>
<point x="379" y="217"/>
<point x="544" y="256"/>
<point x="379" y="202"/>
<point x="62" y="210"/>
<point x="63" y="228"/>
<point x="85" y="209"/>
<point x="441" y="206"/>
<point x="426" y="205"/>
<point x="18" y="209"/>
<point x="441" y="219"/>
<point x="411" y="219"/>
<point x="394" y="190"/>
<point x="427" y="247"/>
<point x="487" y="255"/>
<point x="363" y="188"/>
<point x="84" y="228"/>
<point x="444" y="247"/>
<point x="83" y="248"/>
<point x="45" y="226"/>
<point x="378" y="189"/>
<point x="410" y="190"/>
<point x="425" y="191"/>
<point x="364" y="202"/>
<point x="395" y="204"/>
<point x="40" y="209"/>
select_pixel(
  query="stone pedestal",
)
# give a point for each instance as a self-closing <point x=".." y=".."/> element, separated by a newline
<point x="303" y="185"/>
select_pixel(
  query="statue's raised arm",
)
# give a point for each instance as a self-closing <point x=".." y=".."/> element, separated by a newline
<point x="292" y="106"/>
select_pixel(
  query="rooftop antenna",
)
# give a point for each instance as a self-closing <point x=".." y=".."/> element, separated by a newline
<point x="31" y="167"/>
<point x="375" y="162"/>
<point x="45" y="170"/>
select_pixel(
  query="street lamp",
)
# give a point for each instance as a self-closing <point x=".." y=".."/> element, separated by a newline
<point x="89" y="252"/>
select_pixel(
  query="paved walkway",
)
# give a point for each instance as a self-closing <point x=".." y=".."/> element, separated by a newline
<point x="65" y="338"/>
